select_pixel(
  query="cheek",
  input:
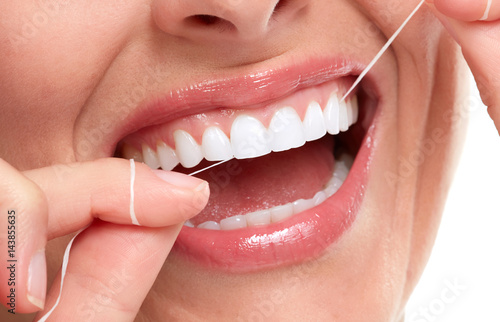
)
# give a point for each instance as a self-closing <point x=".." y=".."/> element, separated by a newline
<point x="53" y="55"/>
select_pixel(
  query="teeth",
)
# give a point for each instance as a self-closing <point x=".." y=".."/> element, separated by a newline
<point x="212" y="225"/>
<point x="216" y="146"/>
<point x="258" y="218"/>
<point x="314" y="122"/>
<point x="167" y="156"/>
<point x="331" y="114"/>
<point x="286" y="130"/>
<point x="234" y="222"/>
<point x="150" y="157"/>
<point x="343" y="122"/>
<point x="280" y="213"/>
<point x="129" y="152"/>
<point x="249" y="138"/>
<point x="188" y="151"/>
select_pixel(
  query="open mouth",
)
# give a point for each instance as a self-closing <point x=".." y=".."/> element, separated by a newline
<point x="294" y="182"/>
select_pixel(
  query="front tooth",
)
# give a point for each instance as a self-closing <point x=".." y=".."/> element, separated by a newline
<point x="314" y="122"/>
<point x="258" y="218"/>
<point x="286" y="130"/>
<point x="343" y="118"/>
<point x="187" y="150"/>
<point x="234" y="222"/>
<point x="280" y="213"/>
<point x="150" y="157"/>
<point x="216" y="145"/>
<point x="331" y="114"/>
<point x="129" y="152"/>
<point x="211" y="225"/>
<point x="350" y="113"/>
<point x="249" y="138"/>
<point x="301" y="205"/>
<point x="167" y="156"/>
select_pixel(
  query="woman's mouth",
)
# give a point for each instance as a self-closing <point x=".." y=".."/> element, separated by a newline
<point x="293" y="185"/>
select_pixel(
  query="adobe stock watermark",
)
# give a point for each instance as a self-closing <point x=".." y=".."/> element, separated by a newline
<point x="34" y="23"/>
<point x="438" y="306"/>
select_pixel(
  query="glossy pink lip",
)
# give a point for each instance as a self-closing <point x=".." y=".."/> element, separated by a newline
<point x="248" y="91"/>
<point x="303" y="236"/>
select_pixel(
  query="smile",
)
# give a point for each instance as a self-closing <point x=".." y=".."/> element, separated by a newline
<point x="293" y="185"/>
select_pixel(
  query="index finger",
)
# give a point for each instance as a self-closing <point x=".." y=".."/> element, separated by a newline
<point x="105" y="189"/>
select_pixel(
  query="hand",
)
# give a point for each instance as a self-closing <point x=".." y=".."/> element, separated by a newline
<point x="113" y="264"/>
<point x="480" y="42"/>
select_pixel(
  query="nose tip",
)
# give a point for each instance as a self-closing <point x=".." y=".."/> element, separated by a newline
<point x="211" y="20"/>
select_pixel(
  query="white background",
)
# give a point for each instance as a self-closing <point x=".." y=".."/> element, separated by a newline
<point x="462" y="279"/>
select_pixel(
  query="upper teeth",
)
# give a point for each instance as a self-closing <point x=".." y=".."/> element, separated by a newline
<point x="249" y="138"/>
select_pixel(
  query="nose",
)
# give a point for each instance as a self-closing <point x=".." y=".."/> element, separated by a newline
<point x="212" y="20"/>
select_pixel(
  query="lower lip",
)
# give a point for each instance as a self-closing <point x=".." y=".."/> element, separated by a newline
<point x="302" y="237"/>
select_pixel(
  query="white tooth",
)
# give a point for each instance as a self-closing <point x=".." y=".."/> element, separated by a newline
<point x="335" y="183"/>
<point x="187" y="150"/>
<point x="314" y="122"/>
<point x="216" y="145"/>
<point x="280" y="213"/>
<point x="355" y="109"/>
<point x="258" y="218"/>
<point x="347" y="159"/>
<point x="341" y="170"/>
<point x="331" y="189"/>
<point x="129" y="152"/>
<point x="188" y="223"/>
<point x="319" y="197"/>
<point x="167" y="156"/>
<point x="343" y="125"/>
<point x="350" y="113"/>
<point x="211" y="225"/>
<point x="301" y="205"/>
<point x="286" y="130"/>
<point x="249" y="138"/>
<point x="234" y="222"/>
<point x="150" y="157"/>
<point x="331" y="114"/>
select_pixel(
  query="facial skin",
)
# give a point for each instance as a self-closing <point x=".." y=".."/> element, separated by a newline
<point x="68" y="77"/>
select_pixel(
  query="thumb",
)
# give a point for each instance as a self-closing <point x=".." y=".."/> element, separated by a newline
<point x="480" y="43"/>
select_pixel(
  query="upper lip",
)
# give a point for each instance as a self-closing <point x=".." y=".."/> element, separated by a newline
<point x="250" y="90"/>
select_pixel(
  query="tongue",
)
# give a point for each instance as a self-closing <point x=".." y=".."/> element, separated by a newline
<point x="242" y="186"/>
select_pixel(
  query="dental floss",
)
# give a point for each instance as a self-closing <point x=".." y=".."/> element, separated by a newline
<point x="487" y="11"/>
<point x="63" y="274"/>
<point x="209" y="167"/>
<point x="132" y="180"/>
<point x="132" y="163"/>
<point x="382" y="51"/>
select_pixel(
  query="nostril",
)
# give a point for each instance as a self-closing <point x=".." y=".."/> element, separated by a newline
<point x="206" y="19"/>
<point x="210" y="21"/>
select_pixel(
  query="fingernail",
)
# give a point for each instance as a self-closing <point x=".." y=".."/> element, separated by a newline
<point x="181" y="180"/>
<point x="37" y="279"/>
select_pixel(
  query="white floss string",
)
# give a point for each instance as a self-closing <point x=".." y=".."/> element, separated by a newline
<point x="382" y="51"/>
<point x="132" y="180"/>
<point x="487" y="11"/>
<point x="63" y="274"/>
<point x="132" y="163"/>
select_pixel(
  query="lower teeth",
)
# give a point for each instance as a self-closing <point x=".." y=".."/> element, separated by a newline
<point x="280" y="213"/>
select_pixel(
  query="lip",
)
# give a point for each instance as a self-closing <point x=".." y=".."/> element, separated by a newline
<point x="303" y="236"/>
<point x="247" y="91"/>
